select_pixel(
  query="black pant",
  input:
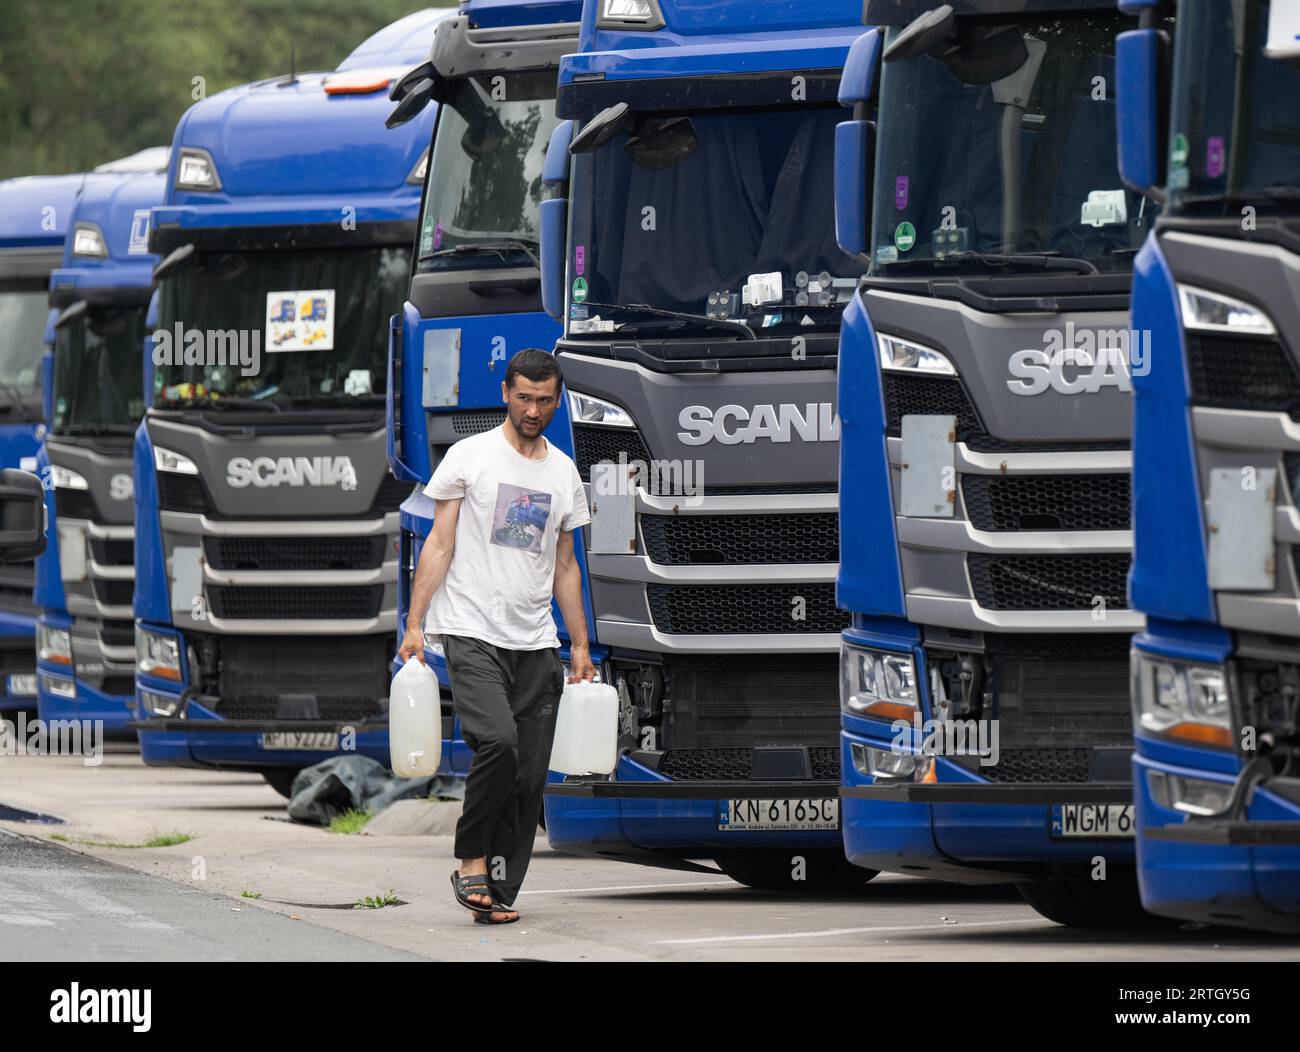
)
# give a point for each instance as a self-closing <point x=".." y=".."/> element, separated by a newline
<point x="507" y="702"/>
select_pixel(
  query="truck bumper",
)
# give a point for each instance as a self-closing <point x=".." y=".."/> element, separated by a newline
<point x="88" y="703"/>
<point x="966" y="830"/>
<point x="1243" y="873"/>
<point x="644" y="818"/>
<point x="16" y="628"/>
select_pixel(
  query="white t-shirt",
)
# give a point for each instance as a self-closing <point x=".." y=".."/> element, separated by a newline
<point x="499" y="585"/>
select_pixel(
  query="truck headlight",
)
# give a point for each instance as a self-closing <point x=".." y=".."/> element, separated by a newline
<point x="631" y="14"/>
<point x="196" y="170"/>
<point x="176" y="463"/>
<point x="53" y="645"/>
<point x="882" y="764"/>
<point x="904" y="356"/>
<point x="1208" y="311"/>
<point x="585" y="409"/>
<point x="59" y="686"/>
<point x="159" y="704"/>
<point x="88" y="240"/>
<point x="66" y="478"/>
<point x="1180" y="700"/>
<point x="1193" y="796"/>
<point x="157" y="654"/>
<point x="878" y="683"/>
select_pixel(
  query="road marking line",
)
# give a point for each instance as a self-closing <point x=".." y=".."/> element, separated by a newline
<point x="628" y="887"/>
<point x="846" y="931"/>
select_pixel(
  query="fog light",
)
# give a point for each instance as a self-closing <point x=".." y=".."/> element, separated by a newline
<point x="59" y="687"/>
<point x="1192" y="796"/>
<point x="159" y="704"/>
<point x="882" y="763"/>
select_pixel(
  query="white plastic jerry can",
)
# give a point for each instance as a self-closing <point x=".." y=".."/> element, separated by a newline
<point x="414" y="721"/>
<point x="586" y="730"/>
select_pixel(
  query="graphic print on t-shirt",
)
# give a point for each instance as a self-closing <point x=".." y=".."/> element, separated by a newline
<point x="520" y="518"/>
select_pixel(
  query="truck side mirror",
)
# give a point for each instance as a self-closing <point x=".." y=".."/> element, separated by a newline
<point x="150" y="323"/>
<point x="22" y="516"/>
<point x="855" y="145"/>
<point x="1142" y="115"/>
<point x="553" y="218"/>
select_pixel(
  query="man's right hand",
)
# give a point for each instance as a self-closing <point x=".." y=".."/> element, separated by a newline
<point x="412" y="645"/>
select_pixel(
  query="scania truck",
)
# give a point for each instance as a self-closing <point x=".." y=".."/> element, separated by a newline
<point x="985" y="400"/>
<point x="1213" y="122"/>
<point x="266" y="519"/>
<point x="688" y="246"/>
<point x="85" y="634"/>
<point x="34" y="215"/>
<point x="475" y="291"/>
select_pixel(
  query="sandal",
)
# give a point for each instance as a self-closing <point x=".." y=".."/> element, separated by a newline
<point x="474" y="884"/>
<point x="485" y="916"/>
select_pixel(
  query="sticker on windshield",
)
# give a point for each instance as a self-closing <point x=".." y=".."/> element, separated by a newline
<point x="1214" y="156"/>
<point x="579" y="290"/>
<point x="580" y="259"/>
<point x="900" y="192"/>
<point x="300" y="320"/>
<point x="138" y="245"/>
<point x="904" y="236"/>
<point x="1179" y="151"/>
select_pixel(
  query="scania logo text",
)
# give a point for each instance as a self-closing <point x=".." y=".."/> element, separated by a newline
<point x="1081" y="362"/>
<point x="264" y="472"/>
<point x="735" y="424"/>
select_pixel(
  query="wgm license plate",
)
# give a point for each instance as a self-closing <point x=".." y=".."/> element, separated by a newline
<point x="21" y="686"/>
<point x="745" y="815"/>
<point x="1092" y="820"/>
<point x="313" y="741"/>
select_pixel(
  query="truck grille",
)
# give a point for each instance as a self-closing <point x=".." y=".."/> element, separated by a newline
<point x="117" y="633"/>
<point x="723" y="704"/>
<point x="476" y="421"/>
<point x="113" y="593"/>
<point x="295" y="553"/>
<point x="1049" y="582"/>
<point x="327" y="707"/>
<point x="118" y="686"/>
<point x="707" y="765"/>
<point x="16" y="655"/>
<point x="1047" y="502"/>
<point x="337" y="603"/>
<point x="392" y="492"/>
<point x="1038" y="765"/>
<point x="745" y="609"/>
<point x="1235" y="372"/>
<point x="945" y="396"/>
<point x="592" y="445"/>
<point x="75" y="504"/>
<point x="714" y="539"/>
<point x="16" y="581"/>
<point x="113" y="553"/>
<point x="189" y="494"/>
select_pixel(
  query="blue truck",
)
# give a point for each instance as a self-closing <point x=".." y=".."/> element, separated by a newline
<point x="266" y="518"/>
<point x="475" y="290"/>
<point x="985" y="402"/>
<point x="34" y="215"/>
<point x="1211" y="124"/>
<point x="688" y="247"/>
<point x="94" y="393"/>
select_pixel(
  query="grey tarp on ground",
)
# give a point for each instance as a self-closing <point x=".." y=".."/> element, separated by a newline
<point x="342" y="782"/>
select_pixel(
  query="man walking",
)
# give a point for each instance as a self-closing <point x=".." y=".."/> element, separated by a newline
<point x="506" y="505"/>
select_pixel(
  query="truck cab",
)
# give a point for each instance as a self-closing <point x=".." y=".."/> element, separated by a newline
<point x="475" y="292"/>
<point x="266" y="518"/>
<point x="35" y="212"/>
<point x="95" y="390"/>
<point x="1209" y="116"/>
<point x="985" y="396"/>
<point x="688" y="249"/>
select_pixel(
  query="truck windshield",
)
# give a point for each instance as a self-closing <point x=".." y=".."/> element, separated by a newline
<point x="679" y="212"/>
<point x="1237" y="142"/>
<point x="98" y="371"/>
<point x="941" y="200"/>
<point x="284" y="327"/>
<point x="485" y="175"/>
<point x="23" y="312"/>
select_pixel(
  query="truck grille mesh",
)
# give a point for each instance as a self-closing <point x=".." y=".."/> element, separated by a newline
<point x="1235" y="372"/>
<point x="295" y="553"/>
<point x="709" y="765"/>
<point x="592" y="445"/>
<point x="113" y="553"/>
<point x="75" y="504"/>
<point x="476" y="421"/>
<point x="744" y="609"/>
<point x="338" y="603"/>
<point x="1047" y="502"/>
<point x="328" y="707"/>
<point x="685" y="540"/>
<point x="113" y="593"/>
<point x="1049" y="582"/>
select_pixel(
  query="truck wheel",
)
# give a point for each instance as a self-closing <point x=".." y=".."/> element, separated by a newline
<point x="779" y="871"/>
<point x="281" y="779"/>
<point x="1082" y="903"/>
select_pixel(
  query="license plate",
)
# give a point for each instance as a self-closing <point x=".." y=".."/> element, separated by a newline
<point x="22" y="686"/>
<point x="1092" y="820"/>
<point x="313" y="741"/>
<point x="745" y="815"/>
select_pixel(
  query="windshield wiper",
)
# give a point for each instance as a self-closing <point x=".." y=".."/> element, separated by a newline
<point x="96" y="429"/>
<point x="476" y="248"/>
<point x="1267" y="193"/>
<point x="730" y="324"/>
<point x="224" y="402"/>
<point x="1043" y="260"/>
